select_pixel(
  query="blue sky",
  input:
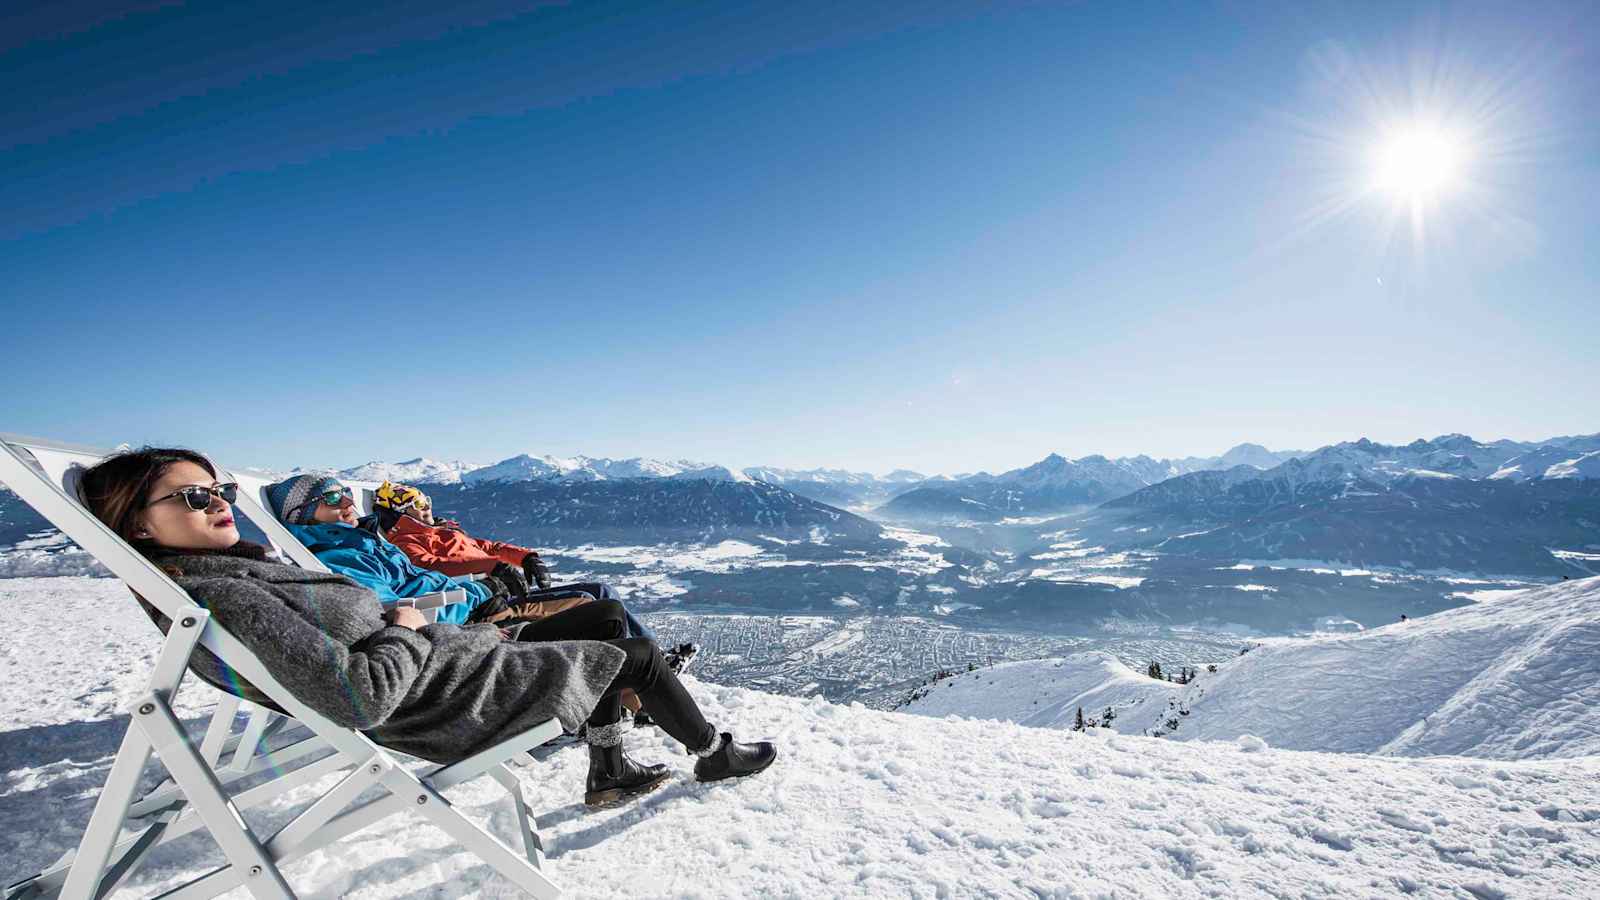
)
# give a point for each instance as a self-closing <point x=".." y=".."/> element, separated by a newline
<point x="946" y="237"/>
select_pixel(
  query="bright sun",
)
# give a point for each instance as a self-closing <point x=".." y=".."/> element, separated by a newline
<point x="1417" y="162"/>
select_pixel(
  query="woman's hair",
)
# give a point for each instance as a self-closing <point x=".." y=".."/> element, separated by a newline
<point x="115" y="488"/>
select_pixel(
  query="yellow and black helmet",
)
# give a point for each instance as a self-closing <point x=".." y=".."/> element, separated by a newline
<point x="401" y="498"/>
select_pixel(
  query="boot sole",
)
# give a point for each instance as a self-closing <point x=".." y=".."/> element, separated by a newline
<point x="618" y="796"/>
<point x="763" y="768"/>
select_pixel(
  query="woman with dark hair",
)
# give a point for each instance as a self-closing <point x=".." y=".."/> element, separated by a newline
<point x="441" y="692"/>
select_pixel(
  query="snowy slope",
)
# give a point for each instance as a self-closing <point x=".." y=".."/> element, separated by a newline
<point x="1048" y="693"/>
<point x="860" y="803"/>
<point x="1585" y="466"/>
<point x="1515" y="677"/>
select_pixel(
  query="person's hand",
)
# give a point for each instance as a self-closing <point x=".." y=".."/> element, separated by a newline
<point x="534" y="570"/>
<point x="512" y="578"/>
<point x="406" y="617"/>
<point x="505" y="634"/>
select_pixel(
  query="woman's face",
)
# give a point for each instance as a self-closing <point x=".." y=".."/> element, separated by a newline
<point x="170" y="522"/>
<point x="343" y="512"/>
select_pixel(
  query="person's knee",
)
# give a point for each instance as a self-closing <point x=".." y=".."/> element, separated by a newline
<point x="600" y="590"/>
<point x="612" y="614"/>
<point x="644" y="659"/>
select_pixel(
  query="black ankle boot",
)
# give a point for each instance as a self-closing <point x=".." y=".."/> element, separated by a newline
<point x="734" y="760"/>
<point x="613" y="777"/>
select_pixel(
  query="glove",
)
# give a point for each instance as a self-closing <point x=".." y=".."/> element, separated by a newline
<point x="491" y="610"/>
<point x="496" y="588"/>
<point x="534" y="570"/>
<point x="511" y="577"/>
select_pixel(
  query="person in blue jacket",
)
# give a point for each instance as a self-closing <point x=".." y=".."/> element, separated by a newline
<point x="320" y="512"/>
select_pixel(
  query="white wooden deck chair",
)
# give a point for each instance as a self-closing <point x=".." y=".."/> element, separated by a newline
<point x="197" y="796"/>
<point x="257" y="507"/>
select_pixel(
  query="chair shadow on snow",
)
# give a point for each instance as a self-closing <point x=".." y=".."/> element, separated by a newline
<point x="612" y="825"/>
<point x="382" y="869"/>
<point x="47" y="751"/>
<point x="87" y="749"/>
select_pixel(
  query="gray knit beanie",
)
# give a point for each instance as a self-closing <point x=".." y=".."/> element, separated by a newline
<point x="294" y="500"/>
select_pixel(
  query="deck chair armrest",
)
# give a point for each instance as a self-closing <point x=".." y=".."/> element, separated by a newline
<point x="430" y="601"/>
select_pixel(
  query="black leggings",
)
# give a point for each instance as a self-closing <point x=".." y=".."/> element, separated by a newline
<point x="643" y="671"/>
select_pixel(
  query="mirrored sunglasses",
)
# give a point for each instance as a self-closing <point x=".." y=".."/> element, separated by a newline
<point x="336" y="496"/>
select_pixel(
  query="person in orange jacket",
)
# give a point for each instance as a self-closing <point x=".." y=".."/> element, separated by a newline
<point x="405" y="517"/>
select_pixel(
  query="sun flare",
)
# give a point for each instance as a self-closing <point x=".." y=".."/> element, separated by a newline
<point x="1417" y="162"/>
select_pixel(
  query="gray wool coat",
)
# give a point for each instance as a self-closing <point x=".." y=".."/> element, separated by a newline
<point x="441" y="692"/>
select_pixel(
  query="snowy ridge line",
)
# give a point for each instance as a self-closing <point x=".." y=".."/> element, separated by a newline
<point x="859" y="804"/>
<point x="1513" y="677"/>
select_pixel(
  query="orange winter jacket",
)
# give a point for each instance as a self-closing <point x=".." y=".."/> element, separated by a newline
<point x="451" y="551"/>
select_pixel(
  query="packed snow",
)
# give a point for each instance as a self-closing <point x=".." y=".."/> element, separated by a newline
<point x="1512" y="677"/>
<point x="47" y="553"/>
<point x="859" y="804"/>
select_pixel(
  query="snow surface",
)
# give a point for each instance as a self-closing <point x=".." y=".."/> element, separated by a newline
<point x="47" y="553"/>
<point x="859" y="804"/>
<point x="1511" y="677"/>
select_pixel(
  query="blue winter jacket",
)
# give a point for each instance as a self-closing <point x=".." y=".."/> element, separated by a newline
<point x="384" y="568"/>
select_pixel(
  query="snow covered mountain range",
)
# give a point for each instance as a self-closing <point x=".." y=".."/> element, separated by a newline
<point x="1053" y="485"/>
<point x="1056" y="485"/>
<point x="1514" y="677"/>
<point x="527" y="467"/>
<point x="1449" y="503"/>
<point x="1358" y="529"/>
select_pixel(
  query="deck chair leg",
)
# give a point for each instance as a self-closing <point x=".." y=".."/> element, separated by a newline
<point x="527" y="826"/>
<point x="105" y="824"/>
<point x="167" y="796"/>
<point x="181" y="820"/>
<point x="130" y="853"/>
<point x="220" y="728"/>
<point x="435" y="808"/>
<point x="204" y="792"/>
<point x="339" y="827"/>
<point x="218" y="736"/>
<point x="327" y="806"/>
<point x="255" y="732"/>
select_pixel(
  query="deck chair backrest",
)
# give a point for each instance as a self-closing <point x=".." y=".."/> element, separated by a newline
<point x="363" y="492"/>
<point x="47" y="476"/>
<point x="65" y="467"/>
<point x="40" y="472"/>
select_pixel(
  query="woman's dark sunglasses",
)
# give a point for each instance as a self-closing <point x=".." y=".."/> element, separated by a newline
<point x="199" y="498"/>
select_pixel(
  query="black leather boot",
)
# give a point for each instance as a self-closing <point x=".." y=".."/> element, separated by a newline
<point x="734" y="760"/>
<point x="613" y="777"/>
